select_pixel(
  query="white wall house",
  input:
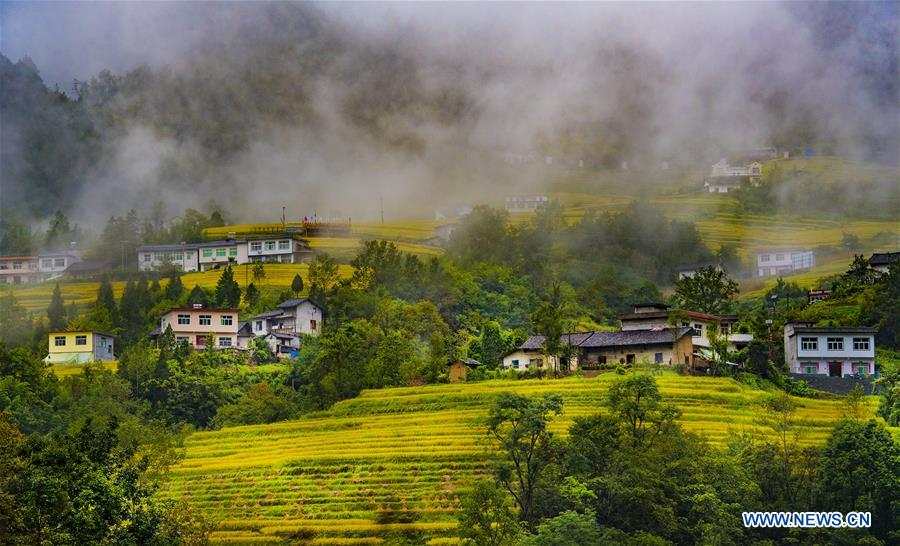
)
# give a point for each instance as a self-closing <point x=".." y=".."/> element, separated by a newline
<point x="219" y="253"/>
<point x="55" y="263"/>
<point x="782" y="262"/>
<point x="19" y="270"/>
<point x="836" y="352"/>
<point x="282" y="328"/>
<point x="286" y="250"/>
<point x="526" y="203"/>
<point x="658" y="317"/>
<point x="181" y="256"/>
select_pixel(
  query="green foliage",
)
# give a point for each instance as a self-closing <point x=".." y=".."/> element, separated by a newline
<point x="519" y="426"/>
<point x="568" y="529"/>
<point x="487" y="518"/>
<point x="709" y="290"/>
<point x="882" y="308"/>
<point x="637" y="401"/>
<point x="261" y="404"/>
<point x="228" y="291"/>
<point x="56" y="311"/>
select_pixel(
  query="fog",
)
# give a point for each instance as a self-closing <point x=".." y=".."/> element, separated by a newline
<point x="331" y="108"/>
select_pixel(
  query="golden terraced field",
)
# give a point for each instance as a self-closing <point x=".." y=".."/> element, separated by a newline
<point x="397" y="460"/>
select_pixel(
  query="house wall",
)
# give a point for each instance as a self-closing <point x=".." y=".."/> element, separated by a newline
<point x="520" y="360"/>
<point x="211" y="257"/>
<point x="185" y="258"/>
<point x="672" y="354"/>
<point x="798" y="358"/>
<point x="305" y="314"/>
<point x="56" y="262"/>
<point x="94" y="348"/>
<point x="458" y="372"/>
<point x="645" y="323"/>
<point x="194" y="329"/>
<point x="19" y="270"/>
<point x="104" y="350"/>
<point x="276" y="249"/>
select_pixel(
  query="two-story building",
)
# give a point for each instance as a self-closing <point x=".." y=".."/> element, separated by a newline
<point x="834" y="351"/>
<point x="656" y="316"/>
<point x="196" y="324"/>
<point x="285" y="249"/>
<point x="19" y="270"/>
<point x="80" y="347"/>
<point x="284" y="326"/>
<point x="220" y="253"/>
<point x="526" y="203"/>
<point x="782" y="262"/>
<point x="181" y="256"/>
<point x="52" y="264"/>
<point x="881" y="261"/>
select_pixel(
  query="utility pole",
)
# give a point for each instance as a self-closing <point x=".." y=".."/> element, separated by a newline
<point x="381" y="200"/>
<point x="283" y="223"/>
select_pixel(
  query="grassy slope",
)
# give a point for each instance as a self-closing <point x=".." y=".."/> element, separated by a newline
<point x="336" y="473"/>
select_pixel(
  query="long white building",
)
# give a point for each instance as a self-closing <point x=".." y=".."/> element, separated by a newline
<point x="281" y="248"/>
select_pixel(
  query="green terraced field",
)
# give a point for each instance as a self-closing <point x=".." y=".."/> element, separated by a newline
<point x="338" y="477"/>
<point x="66" y="370"/>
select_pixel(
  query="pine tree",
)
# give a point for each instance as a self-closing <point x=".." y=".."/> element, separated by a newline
<point x="56" y="312"/>
<point x="106" y="299"/>
<point x="228" y="292"/>
<point x="198" y="296"/>
<point x="251" y="295"/>
<point x="297" y="284"/>
<point x="175" y="288"/>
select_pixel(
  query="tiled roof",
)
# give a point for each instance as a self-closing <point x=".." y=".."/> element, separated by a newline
<point x="268" y="314"/>
<point x="621" y="338"/>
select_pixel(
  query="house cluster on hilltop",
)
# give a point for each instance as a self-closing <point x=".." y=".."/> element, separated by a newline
<point x="280" y="248"/>
<point x="727" y="175"/>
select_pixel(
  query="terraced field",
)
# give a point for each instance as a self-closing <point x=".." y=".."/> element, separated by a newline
<point x="395" y="461"/>
<point x="66" y="370"/>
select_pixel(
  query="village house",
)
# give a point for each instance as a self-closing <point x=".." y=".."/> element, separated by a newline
<point x="459" y="369"/>
<point x="812" y="296"/>
<point x="452" y="212"/>
<point x="881" y="261"/>
<point x="834" y="351"/>
<point x="725" y="177"/>
<point x="52" y="264"/>
<point x="181" y="256"/>
<point x="689" y="270"/>
<point x="782" y="262"/>
<point x="215" y="254"/>
<point x="19" y="270"/>
<point x="656" y="316"/>
<point x="79" y="347"/>
<point x="526" y="203"/>
<point x="197" y="323"/>
<point x="282" y="328"/>
<point x="529" y="356"/>
<point x="285" y="249"/>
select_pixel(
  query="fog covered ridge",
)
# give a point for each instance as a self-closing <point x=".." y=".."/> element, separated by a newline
<point x="330" y="107"/>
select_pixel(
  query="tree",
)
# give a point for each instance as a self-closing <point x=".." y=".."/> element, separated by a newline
<point x="251" y="296"/>
<point x="637" y="402"/>
<point x="297" y="284"/>
<point x="198" y="296"/>
<point x="261" y="404"/>
<point x="323" y="273"/>
<point x="59" y="231"/>
<point x="486" y="518"/>
<point x="519" y="426"/>
<point x="548" y="323"/>
<point x="228" y="292"/>
<point x="56" y="311"/>
<point x="15" y="323"/>
<point x="859" y="470"/>
<point x="569" y="529"/>
<point x="174" y="288"/>
<point x="259" y="271"/>
<point x="882" y="308"/>
<point x="709" y="290"/>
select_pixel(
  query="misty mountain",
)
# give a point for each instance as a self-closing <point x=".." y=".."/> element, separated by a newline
<point x="289" y="103"/>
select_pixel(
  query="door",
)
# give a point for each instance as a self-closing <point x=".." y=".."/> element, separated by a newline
<point x="834" y="369"/>
<point x="201" y="341"/>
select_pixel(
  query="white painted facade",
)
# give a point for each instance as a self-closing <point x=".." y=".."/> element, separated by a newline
<point x="836" y="352"/>
<point x="55" y="263"/>
<point x="220" y="253"/>
<point x="521" y="360"/>
<point x="783" y="262"/>
<point x="153" y="257"/>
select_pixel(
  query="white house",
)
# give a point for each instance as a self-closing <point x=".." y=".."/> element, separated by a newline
<point x="782" y="262"/>
<point x="836" y="352"/>
<point x="283" y="327"/>
<point x="658" y="317"/>
<point x="529" y="356"/>
<point x="689" y="270"/>
<point x="283" y="249"/>
<point x="526" y="203"/>
<point x="881" y="261"/>
<point x="55" y="263"/>
<point x="182" y="256"/>
<point x="724" y="177"/>
<point x="218" y="253"/>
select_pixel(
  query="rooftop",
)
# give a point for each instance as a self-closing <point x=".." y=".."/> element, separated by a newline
<point x="622" y="338"/>
<point x="884" y="258"/>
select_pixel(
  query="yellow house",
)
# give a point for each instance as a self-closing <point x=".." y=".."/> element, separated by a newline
<point x="80" y="347"/>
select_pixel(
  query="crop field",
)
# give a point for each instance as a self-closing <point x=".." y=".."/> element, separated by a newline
<point x="395" y="461"/>
<point x="66" y="370"/>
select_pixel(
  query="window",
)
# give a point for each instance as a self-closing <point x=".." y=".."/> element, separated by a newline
<point x="256" y="247"/>
<point x="224" y="342"/>
<point x="698" y="329"/>
<point x="809" y="344"/>
<point x="207" y="253"/>
<point x="764" y="257"/>
<point x="835" y="344"/>
<point x="205" y="320"/>
<point x="312" y="325"/>
<point x="601" y="360"/>
<point x="779" y="257"/>
<point x="658" y="358"/>
<point x="515" y="363"/>
<point x="102" y="342"/>
<point x="158" y="256"/>
<point x="629" y="359"/>
<point x="147" y="257"/>
<point x="47" y="262"/>
<point x="270" y="245"/>
<point x="80" y="340"/>
<point x="232" y="251"/>
<point x="861" y="368"/>
<point x="220" y="252"/>
<point x="810" y="368"/>
<point x="860" y="344"/>
<point x="59" y="341"/>
<point x="227" y="320"/>
<point x="17" y="265"/>
<point x="259" y="325"/>
<point x="284" y="245"/>
<point x="184" y="319"/>
<point x="59" y="262"/>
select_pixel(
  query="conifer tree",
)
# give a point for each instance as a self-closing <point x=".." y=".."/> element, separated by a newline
<point x="228" y="292"/>
<point x="56" y="311"/>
